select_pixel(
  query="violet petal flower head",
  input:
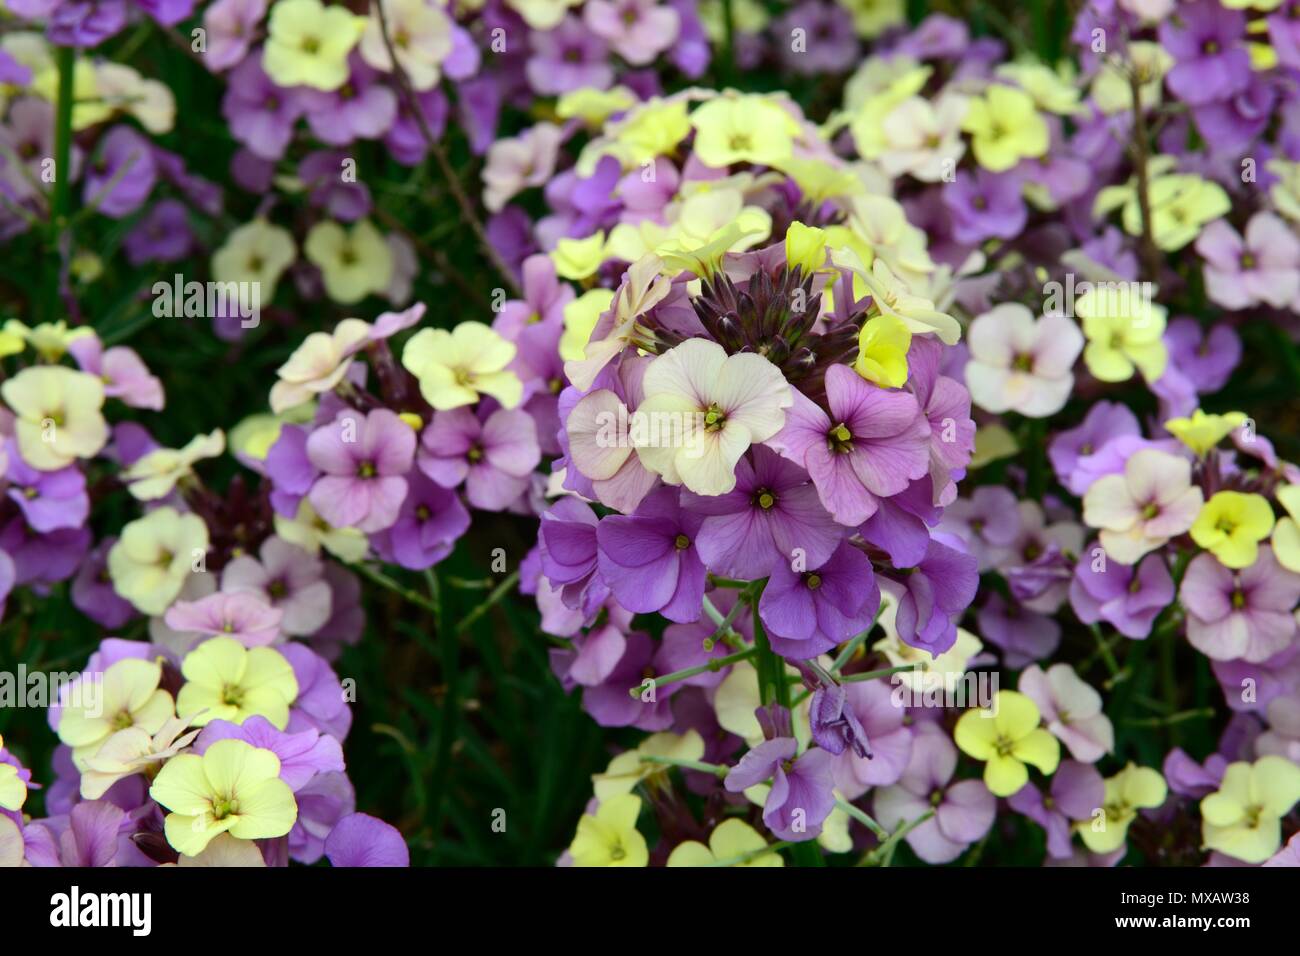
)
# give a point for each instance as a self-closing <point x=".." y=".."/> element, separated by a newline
<point x="808" y="612"/>
<point x="1077" y="790"/>
<point x="1071" y="710"/>
<point x="1205" y="40"/>
<point x="937" y="591"/>
<point x="359" y="839"/>
<point x="493" y="454"/>
<point x="428" y="525"/>
<point x="1242" y="614"/>
<point x="870" y="445"/>
<point x="650" y="560"/>
<point x="364" y="461"/>
<point x="985" y="205"/>
<point x="1127" y="598"/>
<point x="570" y="554"/>
<point x="242" y="615"/>
<point x="122" y="174"/>
<point x="883" y="723"/>
<point x="801" y="796"/>
<point x="772" y="516"/>
<point x="1206" y="357"/>
<point x="285" y="577"/>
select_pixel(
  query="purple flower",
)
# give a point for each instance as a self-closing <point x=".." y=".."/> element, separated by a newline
<point x="124" y="374"/>
<point x="1077" y="790"/>
<point x="870" y="446"/>
<point x="405" y="137"/>
<point x="286" y="577"/>
<point x="492" y="454"/>
<point x="988" y="521"/>
<point x="801" y="796"/>
<point x="326" y="189"/>
<point x="302" y="755"/>
<point x="569" y="554"/>
<point x="1024" y="636"/>
<point x="85" y="23"/>
<point x="362" y="108"/>
<point x="884" y="728"/>
<point x="985" y="205"/>
<point x="321" y="703"/>
<point x="1205" y="40"/>
<point x="291" y="472"/>
<point x="945" y="403"/>
<point x="937" y="591"/>
<point x="637" y="30"/>
<point x="545" y="297"/>
<point x="92" y="589"/>
<point x="609" y="703"/>
<point x="1235" y="122"/>
<point x="963" y="811"/>
<point x="567" y="58"/>
<point x="1127" y="598"/>
<point x="365" y="461"/>
<point x="772" y="516"/>
<point x="238" y="614"/>
<point x="261" y="115"/>
<point x="231" y="26"/>
<point x="1205" y="356"/>
<point x="358" y="839"/>
<point x="650" y="560"/>
<point x="831" y="46"/>
<point x="1242" y="614"/>
<point x="163" y="234"/>
<point x="430" y="521"/>
<point x="87" y="837"/>
<point x="807" y="612"/>
<point x="1104" y="422"/>
<point x="834" y="726"/>
<point x="49" y="500"/>
<point x="1261" y="268"/>
<point x="325" y="801"/>
<point x="121" y="178"/>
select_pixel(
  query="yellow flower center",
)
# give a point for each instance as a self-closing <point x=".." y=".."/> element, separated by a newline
<point x="681" y="542"/>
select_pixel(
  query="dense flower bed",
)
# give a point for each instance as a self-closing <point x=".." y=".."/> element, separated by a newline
<point x="842" y="438"/>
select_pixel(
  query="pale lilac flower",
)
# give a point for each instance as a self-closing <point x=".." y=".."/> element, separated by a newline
<point x="1206" y="357"/>
<point x="1077" y="791"/>
<point x="516" y="164"/>
<point x="238" y="614"/>
<point x="1125" y="597"/>
<point x="1242" y="614"/>
<point x="566" y="58"/>
<point x="963" y="811"/>
<point x="1071" y="710"/>
<point x="359" y="839"/>
<point x="364" y="461"/>
<point x="1024" y="636"/>
<point x="430" y="521"/>
<point x="124" y="374"/>
<point x="285" y="577"/>
<point x="492" y="454"/>
<point x="637" y="30"/>
<point x="230" y="25"/>
<point x="1019" y="363"/>
<point x="649" y="559"/>
<point x="800" y="798"/>
<point x="1262" y="268"/>
<point x="888" y="738"/>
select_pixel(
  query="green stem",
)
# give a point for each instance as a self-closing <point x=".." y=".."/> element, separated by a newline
<point x="500" y="591"/>
<point x="717" y="769"/>
<point x="1173" y="719"/>
<point x="65" y="59"/>
<point x="714" y="664"/>
<point x="862" y="817"/>
<point x="1103" y="649"/>
<point x="852" y="646"/>
<point x="406" y="594"/>
<point x="884" y="854"/>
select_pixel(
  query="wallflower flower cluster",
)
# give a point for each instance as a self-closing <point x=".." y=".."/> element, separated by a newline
<point x="891" y="462"/>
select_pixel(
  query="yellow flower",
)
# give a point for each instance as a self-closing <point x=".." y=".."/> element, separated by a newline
<point x="542" y="14"/>
<point x="56" y="415"/>
<point x="743" y="129"/>
<point x="307" y="43"/>
<point x="709" y="225"/>
<point x="88" y="108"/>
<point x="1286" y="535"/>
<point x="1202" y="432"/>
<point x="873" y="17"/>
<point x="50" y="340"/>
<point x="1049" y="90"/>
<point x="255" y="252"/>
<point x="1180" y="203"/>
<point x="580" y="317"/>
<point x="1243" y="819"/>
<point x="455" y="367"/>
<point x="1007" y="737"/>
<point x="125" y="696"/>
<point x="891" y="296"/>
<point x="149" y="563"/>
<point x="318" y="364"/>
<point x="226" y="681"/>
<point x="234" y="787"/>
<point x="579" y="259"/>
<point x="731" y="840"/>
<point x="13" y="792"/>
<point x="655" y="128"/>
<point x="310" y="531"/>
<point x="131" y="751"/>
<point x="805" y="248"/>
<point x="594" y="106"/>
<point x="1131" y="789"/>
<point x="149" y="101"/>
<point x="421" y="34"/>
<point x="1005" y="128"/>
<point x="627" y="770"/>
<point x="610" y="838"/>
<point x="1125" y="332"/>
<point x="353" y="262"/>
<point x="882" y="351"/>
<point x="156" y="474"/>
<point x="819" y="181"/>
<point x="1231" y="525"/>
<point x="1112" y="91"/>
